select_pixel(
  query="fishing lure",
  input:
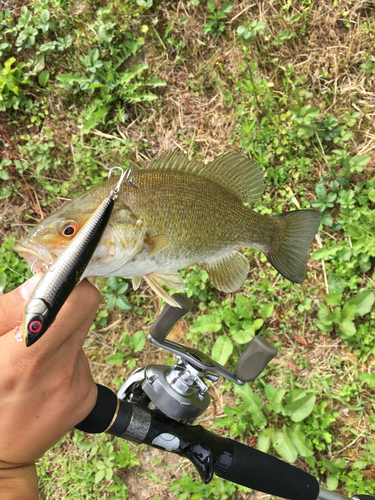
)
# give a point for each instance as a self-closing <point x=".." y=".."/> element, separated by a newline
<point x="61" y="277"/>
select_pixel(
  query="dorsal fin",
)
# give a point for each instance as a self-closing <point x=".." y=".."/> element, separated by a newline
<point x="233" y="171"/>
<point x="174" y="159"/>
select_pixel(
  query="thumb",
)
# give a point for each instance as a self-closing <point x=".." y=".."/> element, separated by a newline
<point x="13" y="303"/>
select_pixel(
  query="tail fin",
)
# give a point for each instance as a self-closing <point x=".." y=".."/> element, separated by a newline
<point x="290" y="250"/>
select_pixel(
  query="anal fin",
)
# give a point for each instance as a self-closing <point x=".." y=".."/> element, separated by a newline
<point x="229" y="272"/>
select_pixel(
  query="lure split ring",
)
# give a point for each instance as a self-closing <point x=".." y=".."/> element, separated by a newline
<point x="18" y="334"/>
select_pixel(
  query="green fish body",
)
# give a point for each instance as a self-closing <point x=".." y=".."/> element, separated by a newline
<point x="178" y="212"/>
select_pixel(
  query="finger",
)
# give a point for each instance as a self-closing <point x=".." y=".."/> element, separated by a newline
<point x="74" y="319"/>
<point x="13" y="303"/>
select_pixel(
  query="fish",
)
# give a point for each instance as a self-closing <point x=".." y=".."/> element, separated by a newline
<point x="177" y="212"/>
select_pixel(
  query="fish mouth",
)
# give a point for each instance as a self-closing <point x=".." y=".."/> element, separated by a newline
<point x="37" y="256"/>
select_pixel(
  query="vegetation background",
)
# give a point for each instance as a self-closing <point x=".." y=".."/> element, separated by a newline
<point x="88" y="85"/>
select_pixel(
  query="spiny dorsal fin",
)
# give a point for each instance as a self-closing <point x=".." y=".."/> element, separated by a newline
<point x="174" y="159"/>
<point x="233" y="171"/>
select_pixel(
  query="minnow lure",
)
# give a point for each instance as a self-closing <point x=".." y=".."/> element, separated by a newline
<point x="61" y="277"/>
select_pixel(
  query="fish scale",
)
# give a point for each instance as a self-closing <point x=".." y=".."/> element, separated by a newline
<point x="176" y="204"/>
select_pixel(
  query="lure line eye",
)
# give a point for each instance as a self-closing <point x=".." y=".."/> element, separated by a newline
<point x="35" y="326"/>
<point x="69" y="229"/>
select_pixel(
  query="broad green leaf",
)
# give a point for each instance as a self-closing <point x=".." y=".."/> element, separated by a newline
<point x="252" y="403"/>
<point x="222" y="349"/>
<point x="244" y="307"/>
<point x="230" y="317"/>
<point x="264" y="439"/>
<point x="112" y="282"/>
<point x="324" y="314"/>
<point x="9" y="62"/>
<point x="275" y="397"/>
<point x="43" y="78"/>
<point x="332" y="482"/>
<point x="258" y="323"/>
<point x="84" y="445"/>
<point x="348" y="311"/>
<point x="243" y="336"/>
<point x="321" y="191"/>
<point x="111" y="301"/>
<point x="266" y="310"/>
<point x="122" y="287"/>
<point x="333" y="299"/>
<point x="94" y="117"/>
<point x="157" y="82"/>
<point x="361" y="160"/>
<point x="116" y="359"/>
<point x="39" y="64"/>
<point x="45" y="15"/>
<point x="363" y="302"/>
<point x="355" y="232"/>
<point x="347" y="327"/>
<point x="284" y="445"/>
<point x="248" y="395"/>
<point x="67" y="78"/>
<point x="126" y="338"/>
<point x="325" y="253"/>
<point x="211" y="6"/>
<point x="336" y="283"/>
<point x="227" y="7"/>
<point x="368" y="378"/>
<point x="138" y="341"/>
<point x="301" y="407"/>
<point x="298" y="438"/>
<point x="123" y="304"/>
<point x="207" y="323"/>
<point x="100" y="474"/>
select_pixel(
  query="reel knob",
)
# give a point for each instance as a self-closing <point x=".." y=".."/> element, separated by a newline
<point x="254" y="360"/>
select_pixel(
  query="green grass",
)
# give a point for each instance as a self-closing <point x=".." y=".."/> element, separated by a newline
<point x="85" y="86"/>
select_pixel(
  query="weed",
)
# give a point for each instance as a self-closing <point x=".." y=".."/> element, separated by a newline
<point x="215" y="26"/>
<point x="87" y="479"/>
<point x="114" y="295"/>
<point x="133" y="344"/>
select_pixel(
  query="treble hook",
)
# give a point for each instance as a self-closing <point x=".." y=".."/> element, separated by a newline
<point x="128" y="180"/>
<point x="41" y="267"/>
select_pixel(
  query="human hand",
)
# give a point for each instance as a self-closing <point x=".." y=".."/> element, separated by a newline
<point x="47" y="388"/>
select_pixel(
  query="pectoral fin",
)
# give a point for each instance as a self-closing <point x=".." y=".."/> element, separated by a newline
<point x="228" y="273"/>
<point x="157" y="243"/>
<point x="136" y="281"/>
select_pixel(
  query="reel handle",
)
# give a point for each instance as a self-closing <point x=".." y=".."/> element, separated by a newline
<point x="169" y="317"/>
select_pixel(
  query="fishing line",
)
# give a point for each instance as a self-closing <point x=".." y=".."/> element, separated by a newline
<point x="1" y="262"/>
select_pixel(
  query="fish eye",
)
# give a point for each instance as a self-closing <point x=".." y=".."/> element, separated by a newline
<point x="69" y="229"/>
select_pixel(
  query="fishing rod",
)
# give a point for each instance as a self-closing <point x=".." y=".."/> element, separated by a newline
<point x="158" y="404"/>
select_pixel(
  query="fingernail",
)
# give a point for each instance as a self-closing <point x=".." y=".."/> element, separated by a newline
<point x="27" y="288"/>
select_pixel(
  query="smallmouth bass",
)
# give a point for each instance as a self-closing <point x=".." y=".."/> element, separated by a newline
<point x="178" y="212"/>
